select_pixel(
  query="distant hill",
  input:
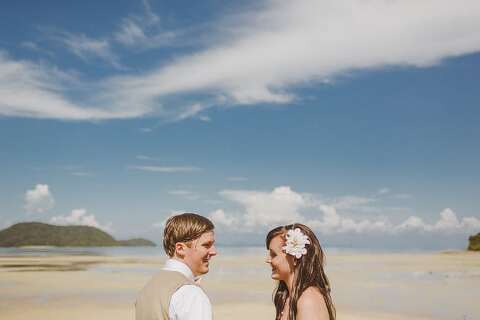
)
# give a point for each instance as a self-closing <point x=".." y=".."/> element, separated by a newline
<point x="137" y="242"/>
<point x="42" y="234"/>
<point x="474" y="243"/>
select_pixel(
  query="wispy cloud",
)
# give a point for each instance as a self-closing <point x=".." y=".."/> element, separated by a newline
<point x="81" y="174"/>
<point x="166" y="169"/>
<point x="187" y="194"/>
<point x="383" y="191"/>
<point x="191" y="111"/>
<point x="77" y="170"/>
<point x="33" y="46"/>
<point x="146" y="158"/>
<point x="349" y="202"/>
<point x="402" y="196"/>
<point x="87" y="48"/>
<point x="30" y="45"/>
<point x="387" y="192"/>
<point x="142" y="31"/>
<point x="237" y="178"/>
<point x="35" y="90"/>
<point x="273" y="49"/>
<point x="130" y="33"/>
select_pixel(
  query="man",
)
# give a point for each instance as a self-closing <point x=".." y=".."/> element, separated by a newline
<point x="173" y="293"/>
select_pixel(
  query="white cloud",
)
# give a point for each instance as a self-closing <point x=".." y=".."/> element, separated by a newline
<point x="283" y="205"/>
<point x="274" y="47"/>
<point x="80" y="217"/>
<point x="219" y="217"/>
<point x="288" y="43"/>
<point x="166" y="169"/>
<point x="39" y="199"/>
<point x="332" y="222"/>
<point x="411" y="223"/>
<point x="448" y="222"/>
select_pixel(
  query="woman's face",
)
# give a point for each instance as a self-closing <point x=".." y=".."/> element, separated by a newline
<point x="281" y="263"/>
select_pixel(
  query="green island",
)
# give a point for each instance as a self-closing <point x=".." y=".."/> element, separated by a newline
<point x="42" y="234"/>
<point x="474" y="243"/>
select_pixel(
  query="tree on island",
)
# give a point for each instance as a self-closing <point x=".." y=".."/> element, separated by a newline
<point x="474" y="243"/>
<point x="42" y="234"/>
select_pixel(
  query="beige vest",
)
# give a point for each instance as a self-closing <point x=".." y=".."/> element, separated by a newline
<point x="153" y="300"/>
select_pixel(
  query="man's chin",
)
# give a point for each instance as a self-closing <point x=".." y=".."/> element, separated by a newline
<point x="204" y="269"/>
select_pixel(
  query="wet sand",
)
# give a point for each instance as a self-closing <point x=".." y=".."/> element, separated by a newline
<point x="365" y="286"/>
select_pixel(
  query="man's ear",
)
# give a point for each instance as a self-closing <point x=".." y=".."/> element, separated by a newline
<point x="180" y="248"/>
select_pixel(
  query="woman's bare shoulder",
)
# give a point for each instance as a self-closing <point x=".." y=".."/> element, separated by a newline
<point x="311" y="305"/>
<point x="311" y="295"/>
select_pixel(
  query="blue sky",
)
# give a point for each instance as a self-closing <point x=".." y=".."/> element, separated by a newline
<point x="359" y="119"/>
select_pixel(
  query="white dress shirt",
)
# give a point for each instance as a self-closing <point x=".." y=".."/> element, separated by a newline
<point x="189" y="302"/>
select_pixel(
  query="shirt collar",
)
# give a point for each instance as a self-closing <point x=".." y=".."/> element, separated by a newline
<point x="179" y="266"/>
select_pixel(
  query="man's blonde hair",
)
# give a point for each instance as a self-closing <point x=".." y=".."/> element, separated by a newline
<point x="183" y="228"/>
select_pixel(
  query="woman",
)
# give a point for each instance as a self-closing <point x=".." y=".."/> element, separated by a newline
<point x="296" y="258"/>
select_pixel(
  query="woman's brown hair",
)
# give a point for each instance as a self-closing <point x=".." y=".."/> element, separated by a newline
<point x="309" y="272"/>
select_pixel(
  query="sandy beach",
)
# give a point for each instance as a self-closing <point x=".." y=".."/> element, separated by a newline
<point x="365" y="286"/>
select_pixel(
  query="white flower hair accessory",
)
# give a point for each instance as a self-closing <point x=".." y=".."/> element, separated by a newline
<point x="295" y="244"/>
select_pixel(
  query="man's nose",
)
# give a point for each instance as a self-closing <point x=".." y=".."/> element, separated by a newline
<point x="213" y="251"/>
<point x="268" y="260"/>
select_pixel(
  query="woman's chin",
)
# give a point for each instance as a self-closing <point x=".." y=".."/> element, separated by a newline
<point x="275" y="276"/>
